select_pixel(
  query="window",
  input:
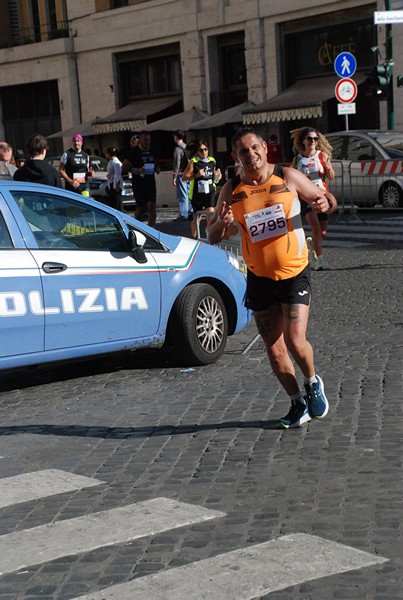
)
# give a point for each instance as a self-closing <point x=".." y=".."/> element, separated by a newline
<point x="5" y="239"/>
<point x="362" y="149"/>
<point x="150" y="73"/>
<point x="62" y="223"/>
<point x="337" y="143"/>
<point x="118" y="3"/>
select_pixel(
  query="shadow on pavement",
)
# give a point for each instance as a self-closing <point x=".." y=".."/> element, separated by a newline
<point x="125" y="433"/>
<point x="148" y="358"/>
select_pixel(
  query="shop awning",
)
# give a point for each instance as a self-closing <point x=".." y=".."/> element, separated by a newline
<point x="231" y="115"/>
<point x="85" y="129"/>
<point x="302" y="100"/>
<point x="185" y="120"/>
<point x="134" y="115"/>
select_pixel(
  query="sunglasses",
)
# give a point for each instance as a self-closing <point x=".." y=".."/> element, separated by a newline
<point x="203" y="149"/>
<point x="311" y="139"/>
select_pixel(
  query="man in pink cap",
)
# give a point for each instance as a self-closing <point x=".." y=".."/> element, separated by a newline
<point x="75" y="166"/>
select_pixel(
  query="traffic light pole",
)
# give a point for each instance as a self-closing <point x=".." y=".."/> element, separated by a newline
<point x="389" y="56"/>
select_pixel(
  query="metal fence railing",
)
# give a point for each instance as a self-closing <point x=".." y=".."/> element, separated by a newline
<point x="367" y="185"/>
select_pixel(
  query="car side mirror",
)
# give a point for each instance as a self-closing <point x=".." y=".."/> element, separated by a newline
<point x="137" y="241"/>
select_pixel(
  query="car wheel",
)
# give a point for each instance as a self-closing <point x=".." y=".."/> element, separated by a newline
<point x="391" y="195"/>
<point x="198" y="325"/>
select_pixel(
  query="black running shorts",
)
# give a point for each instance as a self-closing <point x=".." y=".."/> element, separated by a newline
<point x="262" y="292"/>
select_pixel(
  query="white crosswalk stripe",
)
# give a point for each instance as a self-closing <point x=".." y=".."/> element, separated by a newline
<point x="83" y="534"/>
<point x="40" y="484"/>
<point x="245" y="574"/>
<point x="355" y="235"/>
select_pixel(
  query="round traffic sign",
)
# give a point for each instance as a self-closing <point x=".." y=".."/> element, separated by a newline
<point x="346" y="90"/>
<point x="345" y="64"/>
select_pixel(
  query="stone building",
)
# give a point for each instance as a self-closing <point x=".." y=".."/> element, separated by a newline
<point x="109" y="67"/>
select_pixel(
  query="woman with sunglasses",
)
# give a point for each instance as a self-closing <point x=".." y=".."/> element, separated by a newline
<point x="203" y="175"/>
<point x="313" y="154"/>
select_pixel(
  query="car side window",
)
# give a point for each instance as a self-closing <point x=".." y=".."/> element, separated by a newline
<point x="58" y="222"/>
<point x="151" y="243"/>
<point x="361" y="149"/>
<point x="5" y="239"/>
<point x="337" y="144"/>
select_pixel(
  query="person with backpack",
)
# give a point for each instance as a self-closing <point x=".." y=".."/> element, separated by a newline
<point x="313" y="154"/>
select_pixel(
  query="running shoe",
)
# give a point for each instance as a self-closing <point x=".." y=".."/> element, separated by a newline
<point x="320" y="263"/>
<point x="296" y="416"/>
<point x="311" y="250"/>
<point x="318" y="406"/>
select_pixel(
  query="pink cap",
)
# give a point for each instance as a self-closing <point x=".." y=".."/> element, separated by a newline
<point x="78" y="137"/>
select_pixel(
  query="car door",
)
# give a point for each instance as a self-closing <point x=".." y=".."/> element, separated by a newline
<point x="364" y="189"/>
<point x="94" y="291"/>
<point x="21" y="328"/>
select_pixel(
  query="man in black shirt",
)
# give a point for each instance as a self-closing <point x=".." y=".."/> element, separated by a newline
<point x="36" y="169"/>
<point x="75" y="167"/>
<point x="141" y="161"/>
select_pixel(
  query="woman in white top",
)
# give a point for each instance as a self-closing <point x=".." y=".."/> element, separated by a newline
<point x="114" y="174"/>
<point x="313" y="154"/>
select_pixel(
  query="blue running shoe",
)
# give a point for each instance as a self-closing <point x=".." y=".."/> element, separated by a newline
<point x="318" y="406"/>
<point x="297" y="415"/>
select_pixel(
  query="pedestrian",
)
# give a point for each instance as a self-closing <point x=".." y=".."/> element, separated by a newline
<point x="36" y="169"/>
<point x="75" y="168"/>
<point x="313" y="154"/>
<point x="142" y="163"/>
<point x="263" y="199"/>
<point x="19" y="158"/>
<point x="115" y="179"/>
<point x="180" y="161"/>
<point x="274" y="151"/>
<point x="7" y="167"/>
<point x="203" y="175"/>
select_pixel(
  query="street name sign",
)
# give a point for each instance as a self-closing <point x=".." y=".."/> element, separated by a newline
<point x="388" y="17"/>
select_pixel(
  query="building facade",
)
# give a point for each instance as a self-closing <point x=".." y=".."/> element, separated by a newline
<point x="114" y="66"/>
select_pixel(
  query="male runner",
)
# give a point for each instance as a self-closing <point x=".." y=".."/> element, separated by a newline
<point x="263" y="199"/>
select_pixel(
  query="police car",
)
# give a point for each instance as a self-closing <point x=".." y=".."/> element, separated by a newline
<point x="79" y="278"/>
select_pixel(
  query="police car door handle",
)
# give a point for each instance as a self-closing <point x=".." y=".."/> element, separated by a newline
<point x="53" y="267"/>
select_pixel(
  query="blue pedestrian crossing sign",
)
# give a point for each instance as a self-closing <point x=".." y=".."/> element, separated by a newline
<point x="345" y="64"/>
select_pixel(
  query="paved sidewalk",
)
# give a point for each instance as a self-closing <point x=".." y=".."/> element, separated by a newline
<point x="148" y="428"/>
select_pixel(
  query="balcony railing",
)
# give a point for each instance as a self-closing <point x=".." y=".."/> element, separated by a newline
<point x="30" y="35"/>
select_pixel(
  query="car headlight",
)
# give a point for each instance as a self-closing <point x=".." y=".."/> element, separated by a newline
<point x="236" y="261"/>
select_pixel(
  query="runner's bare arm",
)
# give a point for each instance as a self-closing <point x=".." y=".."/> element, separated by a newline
<point x="303" y="187"/>
<point x="188" y="173"/>
<point x="330" y="174"/>
<point x="222" y="217"/>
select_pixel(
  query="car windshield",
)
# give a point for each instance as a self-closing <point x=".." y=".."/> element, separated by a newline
<point x="98" y="163"/>
<point x="392" y="143"/>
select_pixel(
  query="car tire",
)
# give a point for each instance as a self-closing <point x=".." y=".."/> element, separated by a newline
<point x="391" y="195"/>
<point x="198" y="325"/>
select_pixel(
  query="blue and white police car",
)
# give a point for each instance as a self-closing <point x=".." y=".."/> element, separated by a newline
<point x="79" y="278"/>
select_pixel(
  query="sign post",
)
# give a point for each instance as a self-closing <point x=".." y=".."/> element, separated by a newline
<point x="346" y="89"/>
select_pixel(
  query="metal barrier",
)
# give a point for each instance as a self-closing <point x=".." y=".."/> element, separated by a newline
<point x="367" y="185"/>
<point x="233" y="244"/>
<point x="340" y="188"/>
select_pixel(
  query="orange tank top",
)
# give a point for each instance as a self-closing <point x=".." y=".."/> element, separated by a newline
<point x="269" y="215"/>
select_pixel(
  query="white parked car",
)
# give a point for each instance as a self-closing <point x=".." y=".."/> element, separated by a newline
<point x="368" y="167"/>
<point x="98" y="183"/>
